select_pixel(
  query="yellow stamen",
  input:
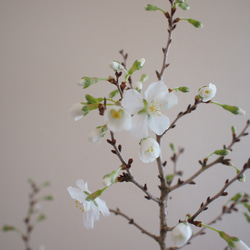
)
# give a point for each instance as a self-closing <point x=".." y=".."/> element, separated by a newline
<point x="79" y="205"/>
<point x="155" y="108"/>
<point x="116" y="114"/>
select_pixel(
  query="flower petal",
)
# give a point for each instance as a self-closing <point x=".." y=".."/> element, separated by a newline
<point x="132" y="101"/>
<point x="76" y="194"/>
<point x="83" y="186"/>
<point x="159" y="123"/>
<point x="154" y="89"/>
<point x="139" y="127"/>
<point x="102" y="207"/>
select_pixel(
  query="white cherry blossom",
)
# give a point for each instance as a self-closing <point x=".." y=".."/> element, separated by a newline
<point x="76" y="111"/>
<point x="91" y="208"/>
<point x="149" y="111"/>
<point x="149" y="150"/>
<point x="181" y="234"/>
<point x="207" y="92"/>
<point x="117" y="118"/>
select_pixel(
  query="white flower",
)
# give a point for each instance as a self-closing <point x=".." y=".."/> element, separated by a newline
<point x="91" y="209"/>
<point x="76" y="111"/>
<point x="138" y="86"/>
<point x="96" y="135"/>
<point x="117" y="118"/>
<point x="82" y="82"/>
<point x="149" y="150"/>
<point x="207" y="92"/>
<point x="239" y="245"/>
<point x="181" y="234"/>
<point x="241" y="111"/>
<point x="149" y="111"/>
<point x="117" y="66"/>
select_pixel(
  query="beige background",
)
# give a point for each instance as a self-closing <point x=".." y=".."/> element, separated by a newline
<point x="47" y="46"/>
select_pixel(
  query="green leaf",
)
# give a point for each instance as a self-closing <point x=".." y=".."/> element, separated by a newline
<point x="113" y="93"/>
<point x="222" y="152"/>
<point x="45" y="184"/>
<point x="184" y="6"/>
<point x="48" y="198"/>
<point x="7" y="228"/>
<point x="151" y="7"/>
<point x="90" y="99"/>
<point x="41" y="218"/>
<point x="195" y="23"/>
<point x="247" y="206"/>
<point x="247" y="217"/>
<point x="237" y="197"/>
<point x="169" y="177"/>
<point x="172" y="147"/>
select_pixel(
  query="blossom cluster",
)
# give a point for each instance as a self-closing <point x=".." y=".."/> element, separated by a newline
<point x="135" y="112"/>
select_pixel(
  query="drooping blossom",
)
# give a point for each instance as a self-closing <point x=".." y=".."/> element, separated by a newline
<point x="97" y="134"/>
<point x="207" y="92"/>
<point x="117" y="118"/>
<point x="91" y="208"/>
<point x="149" y="111"/>
<point x="76" y="111"/>
<point x="116" y="66"/>
<point x="149" y="150"/>
<point x="239" y="245"/>
<point x="181" y="234"/>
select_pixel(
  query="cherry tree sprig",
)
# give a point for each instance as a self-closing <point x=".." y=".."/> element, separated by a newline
<point x="128" y="176"/>
<point x="222" y="192"/>
<point x="34" y="209"/>
<point x="220" y="159"/>
<point x="231" y="206"/>
<point x="132" y="222"/>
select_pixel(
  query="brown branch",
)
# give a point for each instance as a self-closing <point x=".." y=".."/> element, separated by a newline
<point x="222" y="192"/>
<point x="132" y="222"/>
<point x="126" y="166"/>
<point x="220" y="159"/>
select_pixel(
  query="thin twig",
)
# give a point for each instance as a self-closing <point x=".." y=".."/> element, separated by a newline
<point x="132" y="222"/>
<point x="126" y="166"/>
<point x="219" y="194"/>
<point x="220" y="159"/>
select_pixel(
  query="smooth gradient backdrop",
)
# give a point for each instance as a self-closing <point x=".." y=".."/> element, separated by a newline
<point x="47" y="46"/>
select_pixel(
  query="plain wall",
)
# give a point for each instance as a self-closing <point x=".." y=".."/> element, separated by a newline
<point x="47" y="46"/>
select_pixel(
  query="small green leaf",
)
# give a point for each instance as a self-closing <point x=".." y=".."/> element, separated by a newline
<point x="151" y="7"/>
<point x="7" y="228"/>
<point x="48" y="198"/>
<point x="195" y="23"/>
<point x="172" y="147"/>
<point x="113" y="93"/>
<point x="169" y="177"/>
<point x="237" y="197"/>
<point x="246" y="205"/>
<point x="222" y="152"/>
<point x="41" y="218"/>
<point x="90" y="99"/>
<point x="45" y="184"/>
<point x="184" y="6"/>
<point x="247" y="217"/>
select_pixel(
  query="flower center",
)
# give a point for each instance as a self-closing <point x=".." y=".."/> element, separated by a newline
<point x="116" y="114"/>
<point x="150" y="149"/>
<point x="207" y="91"/>
<point x="155" y="108"/>
<point x="79" y="205"/>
